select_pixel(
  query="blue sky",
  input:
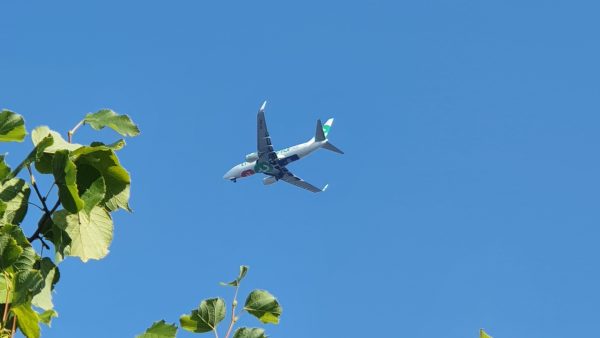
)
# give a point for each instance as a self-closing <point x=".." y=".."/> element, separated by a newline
<point x="467" y="197"/>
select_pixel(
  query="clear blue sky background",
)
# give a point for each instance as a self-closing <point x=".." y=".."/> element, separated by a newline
<point x="467" y="198"/>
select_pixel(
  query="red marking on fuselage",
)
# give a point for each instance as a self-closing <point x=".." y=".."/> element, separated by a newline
<point x="248" y="172"/>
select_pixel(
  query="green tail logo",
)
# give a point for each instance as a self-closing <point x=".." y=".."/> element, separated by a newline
<point x="326" y="129"/>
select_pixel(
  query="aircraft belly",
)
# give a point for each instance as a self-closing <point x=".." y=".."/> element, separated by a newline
<point x="298" y="150"/>
<point x="303" y="151"/>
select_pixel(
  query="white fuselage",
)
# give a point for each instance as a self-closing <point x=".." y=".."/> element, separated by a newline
<point x="285" y="156"/>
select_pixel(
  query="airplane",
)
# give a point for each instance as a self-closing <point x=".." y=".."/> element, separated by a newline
<point x="273" y="163"/>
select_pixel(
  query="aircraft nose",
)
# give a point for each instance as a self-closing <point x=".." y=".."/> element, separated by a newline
<point x="228" y="175"/>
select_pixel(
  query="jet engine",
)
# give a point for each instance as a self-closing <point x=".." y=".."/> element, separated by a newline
<point x="251" y="157"/>
<point x="269" y="180"/>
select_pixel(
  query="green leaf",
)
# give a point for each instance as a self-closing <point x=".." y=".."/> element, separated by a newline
<point x="206" y="317"/>
<point x="242" y="274"/>
<point x="51" y="276"/>
<point x="59" y="143"/>
<point x="15" y="193"/>
<point x="15" y="232"/>
<point x="35" y="155"/>
<point x="28" y="257"/>
<point x="9" y="251"/>
<point x="5" y="286"/>
<point x="57" y="235"/>
<point x="90" y="235"/>
<point x="60" y="238"/>
<point x="122" y="124"/>
<point x="117" y="145"/>
<point x="65" y="176"/>
<point x="43" y="162"/>
<point x="12" y="127"/>
<point x="27" y="320"/>
<point x="26" y="260"/>
<point x="116" y="178"/>
<point x="46" y="316"/>
<point x="247" y="332"/>
<point x="92" y="186"/>
<point x="264" y="306"/>
<point x="159" y="330"/>
<point x="4" y="168"/>
<point x="28" y="283"/>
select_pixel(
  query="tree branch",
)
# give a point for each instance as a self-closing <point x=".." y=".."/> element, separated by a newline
<point x="5" y="314"/>
<point x="37" y="190"/>
<point x="45" y="218"/>
<point x="233" y="316"/>
<point x="14" y="327"/>
<point x="47" y="212"/>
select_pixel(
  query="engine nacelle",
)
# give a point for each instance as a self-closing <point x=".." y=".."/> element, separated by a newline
<point x="269" y="180"/>
<point x="252" y="157"/>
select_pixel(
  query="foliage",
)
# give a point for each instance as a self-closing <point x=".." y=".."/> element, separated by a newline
<point x="206" y="318"/>
<point x="91" y="184"/>
<point x="160" y="330"/>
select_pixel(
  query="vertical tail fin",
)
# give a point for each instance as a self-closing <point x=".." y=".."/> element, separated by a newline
<point x="323" y="130"/>
<point x="327" y="127"/>
<point x="320" y="133"/>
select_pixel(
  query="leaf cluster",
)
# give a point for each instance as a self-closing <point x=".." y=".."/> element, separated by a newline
<point x="206" y="318"/>
<point x="90" y="185"/>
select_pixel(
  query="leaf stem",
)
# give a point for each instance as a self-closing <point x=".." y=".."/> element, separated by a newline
<point x="35" y="205"/>
<point x="49" y="190"/>
<point x="72" y="131"/>
<point x="5" y="314"/>
<point x="14" y="327"/>
<point x="233" y="306"/>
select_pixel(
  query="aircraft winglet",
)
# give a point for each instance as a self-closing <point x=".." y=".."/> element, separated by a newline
<point x="262" y="108"/>
<point x="325" y="188"/>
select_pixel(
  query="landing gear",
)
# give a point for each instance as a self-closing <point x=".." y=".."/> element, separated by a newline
<point x="234" y="180"/>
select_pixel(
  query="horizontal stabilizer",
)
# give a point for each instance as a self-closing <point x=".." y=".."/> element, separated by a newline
<point x="331" y="147"/>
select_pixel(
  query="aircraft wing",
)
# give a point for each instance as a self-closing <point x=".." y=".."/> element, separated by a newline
<point x="297" y="181"/>
<point x="263" y="144"/>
